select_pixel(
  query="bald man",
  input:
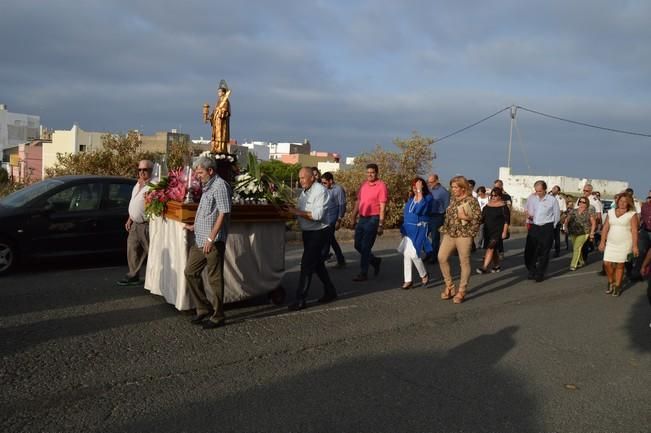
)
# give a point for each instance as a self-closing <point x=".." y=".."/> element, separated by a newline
<point x="311" y="214"/>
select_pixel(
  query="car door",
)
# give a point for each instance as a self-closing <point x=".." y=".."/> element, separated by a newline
<point x="69" y="222"/>
<point x="111" y="233"/>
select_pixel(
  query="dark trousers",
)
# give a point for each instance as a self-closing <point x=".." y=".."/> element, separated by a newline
<point x="557" y="239"/>
<point x="643" y="244"/>
<point x="537" y="247"/>
<point x="312" y="262"/>
<point x="214" y="263"/>
<point x="435" y="222"/>
<point x="365" y="234"/>
<point x="334" y="244"/>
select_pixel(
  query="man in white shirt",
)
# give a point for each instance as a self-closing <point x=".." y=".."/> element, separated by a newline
<point x="137" y="225"/>
<point x="543" y="214"/>
<point x="557" y="229"/>
<point x="311" y="213"/>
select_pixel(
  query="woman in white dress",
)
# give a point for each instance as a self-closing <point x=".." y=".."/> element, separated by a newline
<point x="618" y="240"/>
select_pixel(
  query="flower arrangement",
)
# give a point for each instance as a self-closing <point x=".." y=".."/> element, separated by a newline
<point x="232" y="158"/>
<point x="174" y="186"/>
<point x="255" y="186"/>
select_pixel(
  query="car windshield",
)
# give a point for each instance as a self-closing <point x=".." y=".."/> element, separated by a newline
<point x="25" y="195"/>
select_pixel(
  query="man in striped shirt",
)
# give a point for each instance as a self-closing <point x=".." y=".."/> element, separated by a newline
<point x="210" y="231"/>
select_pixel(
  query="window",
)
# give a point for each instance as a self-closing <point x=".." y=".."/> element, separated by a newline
<point x="82" y="147"/>
<point x="119" y="195"/>
<point x="77" y="198"/>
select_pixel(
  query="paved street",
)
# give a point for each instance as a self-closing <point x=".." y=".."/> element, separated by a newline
<point x="80" y="354"/>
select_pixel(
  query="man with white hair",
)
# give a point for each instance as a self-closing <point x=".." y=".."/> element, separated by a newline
<point x="210" y="232"/>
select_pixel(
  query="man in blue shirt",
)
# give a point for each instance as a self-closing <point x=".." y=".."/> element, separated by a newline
<point x="440" y="202"/>
<point x="544" y="214"/>
<point x="210" y="231"/>
<point x="334" y="215"/>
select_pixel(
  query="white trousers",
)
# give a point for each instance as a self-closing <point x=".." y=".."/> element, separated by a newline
<point x="411" y="256"/>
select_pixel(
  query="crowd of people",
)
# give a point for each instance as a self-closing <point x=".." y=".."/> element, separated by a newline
<point x="437" y="224"/>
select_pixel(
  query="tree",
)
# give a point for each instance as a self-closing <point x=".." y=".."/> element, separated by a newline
<point x="280" y="171"/>
<point x="4" y="176"/>
<point x="396" y="169"/>
<point x="118" y="156"/>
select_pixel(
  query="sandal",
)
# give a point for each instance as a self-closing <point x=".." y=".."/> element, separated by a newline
<point x="610" y="288"/>
<point x="407" y="285"/>
<point x="459" y="297"/>
<point x="617" y="290"/>
<point x="448" y="293"/>
<point x="425" y="280"/>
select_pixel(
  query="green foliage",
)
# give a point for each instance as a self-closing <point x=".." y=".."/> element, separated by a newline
<point x="397" y="169"/>
<point x="179" y="155"/>
<point x="285" y="173"/>
<point x="256" y="183"/>
<point x="118" y="156"/>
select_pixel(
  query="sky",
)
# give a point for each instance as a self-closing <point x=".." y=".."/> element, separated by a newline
<point x="349" y="75"/>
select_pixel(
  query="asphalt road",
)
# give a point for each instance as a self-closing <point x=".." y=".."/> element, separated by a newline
<point x="80" y="354"/>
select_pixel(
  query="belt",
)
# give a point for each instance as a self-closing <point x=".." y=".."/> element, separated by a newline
<point x="369" y="216"/>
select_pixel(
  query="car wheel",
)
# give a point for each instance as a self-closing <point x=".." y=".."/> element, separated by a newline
<point x="7" y="256"/>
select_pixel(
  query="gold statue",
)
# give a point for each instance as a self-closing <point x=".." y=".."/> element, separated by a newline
<point x="219" y="119"/>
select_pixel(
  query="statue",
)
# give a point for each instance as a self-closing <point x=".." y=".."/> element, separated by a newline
<point x="219" y="119"/>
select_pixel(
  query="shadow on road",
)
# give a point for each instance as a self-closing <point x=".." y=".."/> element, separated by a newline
<point x="464" y="389"/>
<point x="18" y="338"/>
<point x="638" y="324"/>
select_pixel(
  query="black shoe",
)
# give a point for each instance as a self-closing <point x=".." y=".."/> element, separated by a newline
<point x="557" y="253"/>
<point x="530" y="277"/>
<point x="340" y="265"/>
<point x="129" y="281"/>
<point x="376" y="265"/>
<point x="213" y="325"/>
<point x="196" y="320"/>
<point x="328" y="297"/>
<point x="482" y="271"/>
<point x="360" y="277"/>
<point x="298" y="305"/>
<point x="539" y="278"/>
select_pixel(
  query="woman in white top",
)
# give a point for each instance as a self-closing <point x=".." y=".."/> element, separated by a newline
<point x="618" y="240"/>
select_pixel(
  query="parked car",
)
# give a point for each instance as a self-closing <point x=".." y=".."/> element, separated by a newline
<point x="64" y="216"/>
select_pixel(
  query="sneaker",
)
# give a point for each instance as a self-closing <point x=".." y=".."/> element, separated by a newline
<point x="496" y="269"/>
<point x="482" y="271"/>
<point x="129" y="281"/>
<point x="572" y="268"/>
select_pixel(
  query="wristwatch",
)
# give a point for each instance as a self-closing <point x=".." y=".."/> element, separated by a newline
<point x="210" y="240"/>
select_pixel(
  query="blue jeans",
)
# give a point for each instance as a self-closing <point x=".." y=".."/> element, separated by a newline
<point x="365" y="234"/>
<point x="334" y="244"/>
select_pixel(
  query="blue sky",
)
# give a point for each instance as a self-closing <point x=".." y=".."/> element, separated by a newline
<point x="350" y="74"/>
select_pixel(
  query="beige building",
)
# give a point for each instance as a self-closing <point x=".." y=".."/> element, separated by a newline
<point x="73" y="141"/>
<point x="161" y="141"/>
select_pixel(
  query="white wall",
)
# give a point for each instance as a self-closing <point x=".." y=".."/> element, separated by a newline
<point x="16" y="128"/>
<point x="521" y="186"/>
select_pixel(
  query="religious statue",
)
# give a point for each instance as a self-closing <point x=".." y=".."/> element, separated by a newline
<point x="219" y="119"/>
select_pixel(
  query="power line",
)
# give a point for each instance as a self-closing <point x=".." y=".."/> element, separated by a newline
<point x="470" y="126"/>
<point x="620" y="131"/>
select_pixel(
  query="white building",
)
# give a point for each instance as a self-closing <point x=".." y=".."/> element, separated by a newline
<point x="520" y="187"/>
<point x="261" y="149"/>
<point x="17" y="128"/>
<point x="73" y="141"/>
<point x="278" y="150"/>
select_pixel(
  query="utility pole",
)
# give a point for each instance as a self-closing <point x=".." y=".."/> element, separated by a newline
<point x="513" y="112"/>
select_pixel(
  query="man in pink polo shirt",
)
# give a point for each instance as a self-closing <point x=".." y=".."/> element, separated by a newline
<point x="372" y="198"/>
